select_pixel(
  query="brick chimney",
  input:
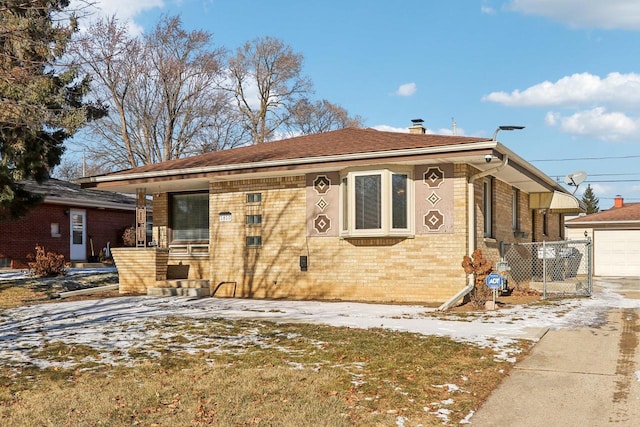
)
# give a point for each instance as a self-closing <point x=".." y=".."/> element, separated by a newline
<point x="417" y="127"/>
<point x="618" y="202"/>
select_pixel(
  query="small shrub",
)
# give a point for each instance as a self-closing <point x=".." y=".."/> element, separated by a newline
<point x="129" y="236"/>
<point x="480" y="267"/>
<point x="46" y="263"/>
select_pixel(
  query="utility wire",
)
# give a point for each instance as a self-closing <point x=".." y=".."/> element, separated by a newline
<point x="586" y="158"/>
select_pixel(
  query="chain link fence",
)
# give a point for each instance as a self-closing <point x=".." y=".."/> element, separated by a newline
<point x="557" y="269"/>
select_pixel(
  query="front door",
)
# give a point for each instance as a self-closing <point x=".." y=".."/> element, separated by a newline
<point x="78" y="228"/>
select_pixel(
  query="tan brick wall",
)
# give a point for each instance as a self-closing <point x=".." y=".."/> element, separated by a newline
<point x="502" y="220"/>
<point x="160" y="219"/>
<point x="421" y="269"/>
<point x="139" y="269"/>
<point x="554" y="227"/>
<point x="425" y="268"/>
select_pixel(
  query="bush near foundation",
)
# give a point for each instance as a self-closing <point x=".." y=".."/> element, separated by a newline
<point x="129" y="237"/>
<point x="46" y="263"/>
<point x="480" y="267"/>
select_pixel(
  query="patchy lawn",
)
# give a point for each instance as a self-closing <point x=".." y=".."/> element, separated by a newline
<point x="218" y="371"/>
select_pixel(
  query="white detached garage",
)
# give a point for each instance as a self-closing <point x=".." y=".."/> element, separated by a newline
<point x="615" y="234"/>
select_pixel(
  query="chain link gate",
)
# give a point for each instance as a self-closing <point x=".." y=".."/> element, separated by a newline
<point x="557" y="269"/>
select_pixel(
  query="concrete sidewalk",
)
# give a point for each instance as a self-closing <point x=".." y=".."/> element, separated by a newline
<point x="583" y="377"/>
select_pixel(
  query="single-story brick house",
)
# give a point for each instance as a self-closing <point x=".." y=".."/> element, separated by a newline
<point x="68" y="221"/>
<point x="615" y="234"/>
<point x="352" y="214"/>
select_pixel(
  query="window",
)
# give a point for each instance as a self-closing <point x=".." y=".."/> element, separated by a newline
<point x="399" y="201"/>
<point x="368" y="194"/>
<point x="190" y="217"/>
<point x="254" y="197"/>
<point x="515" y="209"/>
<point x="561" y="226"/>
<point x="376" y="203"/>
<point x="487" y="204"/>
<point x="345" y="205"/>
<point x="254" y="241"/>
<point x="55" y="229"/>
<point x="254" y="219"/>
<point x="545" y="226"/>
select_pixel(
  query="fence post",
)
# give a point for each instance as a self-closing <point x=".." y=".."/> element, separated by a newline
<point x="544" y="269"/>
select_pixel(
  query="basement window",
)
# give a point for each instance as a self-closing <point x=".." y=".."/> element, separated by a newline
<point x="254" y="197"/>
<point x="254" y="241"/>
<point x="254" y="219"/>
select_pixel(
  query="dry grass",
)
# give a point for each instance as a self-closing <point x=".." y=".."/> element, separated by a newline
<point x="246" y="373"/>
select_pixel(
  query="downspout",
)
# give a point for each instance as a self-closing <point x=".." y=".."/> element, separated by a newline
<point x="471" y="228"/>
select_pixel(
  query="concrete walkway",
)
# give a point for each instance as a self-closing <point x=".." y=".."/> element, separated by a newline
<point x="582" y="377"/>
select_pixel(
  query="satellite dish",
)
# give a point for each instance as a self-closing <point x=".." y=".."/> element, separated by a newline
<point x="575" y="179"/>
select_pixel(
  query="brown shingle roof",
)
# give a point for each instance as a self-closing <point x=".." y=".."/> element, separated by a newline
<point x="339" y="142"/>
<point x="628" y="212"/>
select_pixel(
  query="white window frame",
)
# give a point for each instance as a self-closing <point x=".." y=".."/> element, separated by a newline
<point x="348" y="203"/>
<point x="515" y="209"/>
<point x="487" y="206"/>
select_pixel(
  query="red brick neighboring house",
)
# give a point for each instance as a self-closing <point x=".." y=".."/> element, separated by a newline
<point x="67" y="222"/>
<point x="615" y="234"/>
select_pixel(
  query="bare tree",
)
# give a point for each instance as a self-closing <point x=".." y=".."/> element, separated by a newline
<point x="309" y="117"/>
<point x="265" y="78"/>
<point x="71" y="169"/>
<point x="161" y="90"/>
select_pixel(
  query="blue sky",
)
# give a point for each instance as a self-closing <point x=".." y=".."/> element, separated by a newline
<point x="568" y="70"/>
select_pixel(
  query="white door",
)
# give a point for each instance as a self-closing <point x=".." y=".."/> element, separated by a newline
<point x="78" y="219"/>
<point x="615" y="253"/>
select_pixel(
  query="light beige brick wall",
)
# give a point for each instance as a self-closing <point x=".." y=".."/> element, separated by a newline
<point x="421" y="269"/>
<point x="425" y="268"/>
<point x="139" y="268"/>
<point x="502" y="220"/>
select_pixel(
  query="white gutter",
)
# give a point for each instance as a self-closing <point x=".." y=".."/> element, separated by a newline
<point x="90" y="204"/>
<point x="289" y="162"/>
<point x="471" y="228"/>
<point x="571" y="223"/>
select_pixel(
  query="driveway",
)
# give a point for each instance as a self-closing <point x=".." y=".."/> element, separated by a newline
<point x="581" y="376"/>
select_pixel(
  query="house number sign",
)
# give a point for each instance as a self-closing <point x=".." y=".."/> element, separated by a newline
<point x="225" y="216"/>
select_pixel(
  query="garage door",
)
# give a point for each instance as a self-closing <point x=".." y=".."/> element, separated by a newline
<point x="616" y="253"/>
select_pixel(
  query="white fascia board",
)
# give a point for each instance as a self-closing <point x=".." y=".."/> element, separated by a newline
<point x="89" y="204"/>
<point x="298" y="161"/>
<point x="513" y="157"/>
<point x="586" y="224"/>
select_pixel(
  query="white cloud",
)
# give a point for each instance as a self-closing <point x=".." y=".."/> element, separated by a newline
<point x="604" y="108"/>
<point x="406" y="89"/>
<point x="124" y="10"/>
<point x="487" y="10"/>
<point x="616" y="90"/>
<point x="609" y="14"/>
<point x="387" y="128"/>
<point x="597" y="190"/>
<point x="597" y="123"/>
<point x="441" y="131"/>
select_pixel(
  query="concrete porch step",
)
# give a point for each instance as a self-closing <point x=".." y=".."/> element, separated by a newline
<point x="183" y="283"/>
<point x="181" y="287"/>
<point x="182" y="292"/>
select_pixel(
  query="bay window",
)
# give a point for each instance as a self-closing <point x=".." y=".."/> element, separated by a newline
<point x="376" y="203"/>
